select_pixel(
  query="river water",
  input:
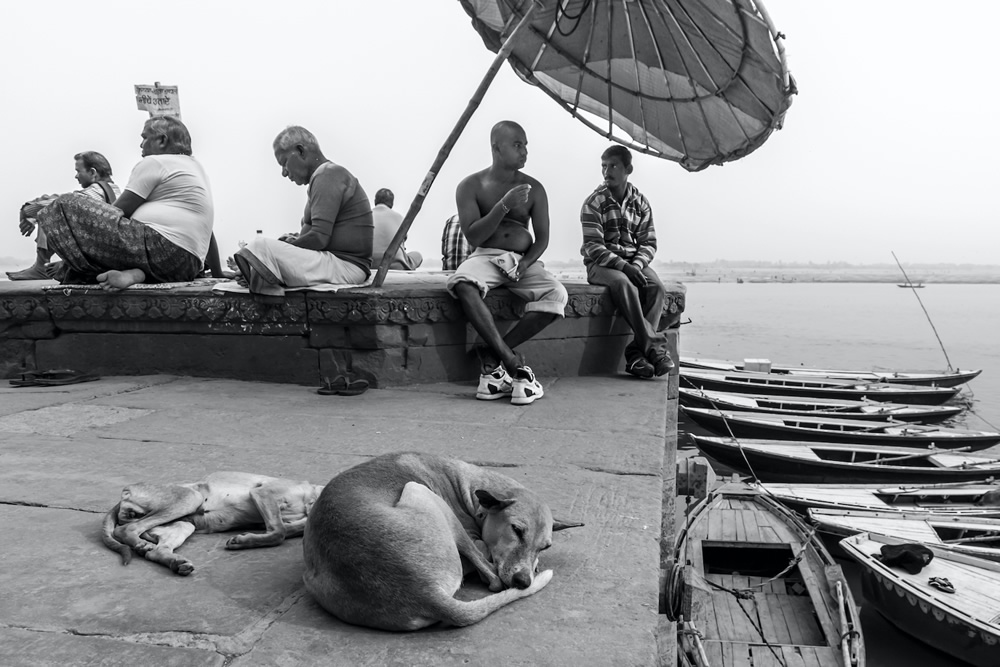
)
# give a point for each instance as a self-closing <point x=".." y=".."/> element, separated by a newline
<point x="858" y="325"/>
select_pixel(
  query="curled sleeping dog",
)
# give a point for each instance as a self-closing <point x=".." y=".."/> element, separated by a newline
<point x="385" y="542"/>
<point x="156" y="519"/>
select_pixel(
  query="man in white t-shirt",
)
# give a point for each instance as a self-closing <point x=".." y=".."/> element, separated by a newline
<point x="386" y="223"/>
<point x="159" y="229"/>
<point x="93" y="173"/>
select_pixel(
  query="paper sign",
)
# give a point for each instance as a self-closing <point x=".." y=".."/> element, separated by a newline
<point x="158" y="100"/>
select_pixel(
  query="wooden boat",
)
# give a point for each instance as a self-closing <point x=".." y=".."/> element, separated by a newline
<point x="831" y="462"/>
<point x="751" y="583"/>
<point x="973" y="536"/>
<point x="793" y="427"/>
<point x="965" y="624"/>
<point x="959" y="499"/>
<point x="912" y="285"/>
<point x="938" y="379"/>
<point x="816" y="407"/>
<point x="786" y="385"/>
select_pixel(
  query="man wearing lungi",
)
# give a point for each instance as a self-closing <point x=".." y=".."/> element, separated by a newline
<point x="334" y="244"/>
<point x="159" y="229"/>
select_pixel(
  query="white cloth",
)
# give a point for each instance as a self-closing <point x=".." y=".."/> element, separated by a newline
<point x="178" y="200"/>
<point x="300" y="267"/>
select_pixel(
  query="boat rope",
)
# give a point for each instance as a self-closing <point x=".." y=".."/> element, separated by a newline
<point x="747" y="594"/>
<point x="753" y="473"/>
<point x="926" y="314"/>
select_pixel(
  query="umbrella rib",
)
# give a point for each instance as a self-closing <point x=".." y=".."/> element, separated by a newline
<point x="666" y="79"/>
<point x="635" y="61"/>
<point x="736" y="73"/>
<point x="611" y="124"/>
<point x="586" y="59"/>
<point x="699" y="99"/>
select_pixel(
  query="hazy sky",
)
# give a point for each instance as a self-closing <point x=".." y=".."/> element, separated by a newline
<point x="890" y="145"/>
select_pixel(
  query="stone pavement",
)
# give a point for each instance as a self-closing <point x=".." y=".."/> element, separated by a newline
<point x="593" y="448"/>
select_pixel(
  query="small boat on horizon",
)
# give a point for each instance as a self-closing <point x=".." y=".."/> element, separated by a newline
<point x="816" y="407"/>
<point x="832" y="462"/>
<point x="913" y="285"/>
<point x="950" y="604"/>
<point x="815" y="387"/>
<point x="828" y="429"/>
<point x="927" y="378"/>
<point x="963" y="499"/>
<point x="751" y="584"/>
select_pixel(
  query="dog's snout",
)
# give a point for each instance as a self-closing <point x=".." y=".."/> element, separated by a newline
<point x="521" y="579"/>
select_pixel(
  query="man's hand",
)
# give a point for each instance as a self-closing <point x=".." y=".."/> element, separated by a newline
<point x="289" y="237"/>
<point x="516" y="196"/>
<point x="27" y="225"/>
<point x="635" y="275"/>
<point x="522" y="268"/>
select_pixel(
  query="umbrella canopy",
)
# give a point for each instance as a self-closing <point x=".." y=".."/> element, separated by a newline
<point x="700" y="82"/>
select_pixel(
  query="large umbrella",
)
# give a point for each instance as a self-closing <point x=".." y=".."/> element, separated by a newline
<point x="700" y="82"/>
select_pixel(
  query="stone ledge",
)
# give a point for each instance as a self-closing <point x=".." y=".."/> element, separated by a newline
<point x="410" y="330"/>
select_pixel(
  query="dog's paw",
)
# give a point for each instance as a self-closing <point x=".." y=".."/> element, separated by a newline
<point x="237" y="541"/>
<point x="182" y="567"/>
<point x="494" y="583"/>
<point x="142" y="547"/>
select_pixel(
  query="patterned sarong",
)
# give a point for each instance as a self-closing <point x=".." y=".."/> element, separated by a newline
<point x="93" y="237"/>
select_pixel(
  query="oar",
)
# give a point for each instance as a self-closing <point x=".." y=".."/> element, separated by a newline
<point x="941" y="485"/>
<point x="979" y="538"/>
<point x="920" y="455"/>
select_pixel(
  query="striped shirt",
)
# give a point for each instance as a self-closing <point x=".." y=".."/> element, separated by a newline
<point x="615" y="235"/>
<point x="455" y="248"/>
<point x="95" y="191"/>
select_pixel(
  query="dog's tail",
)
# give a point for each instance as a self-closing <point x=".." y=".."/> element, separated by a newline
<point x="108" y="535"/>
<point x="460" y="613"/>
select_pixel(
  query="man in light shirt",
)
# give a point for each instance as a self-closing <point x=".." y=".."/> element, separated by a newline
<point x="387" y="222"/>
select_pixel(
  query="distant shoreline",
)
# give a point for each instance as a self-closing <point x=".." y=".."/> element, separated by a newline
<point x="723" y="272"/>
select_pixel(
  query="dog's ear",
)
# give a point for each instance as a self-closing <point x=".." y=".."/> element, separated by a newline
<point x="558" y="524"/>
<point x="492" y="504"/>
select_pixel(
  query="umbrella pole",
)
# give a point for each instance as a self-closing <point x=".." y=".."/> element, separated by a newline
<point x="477" y="98"/>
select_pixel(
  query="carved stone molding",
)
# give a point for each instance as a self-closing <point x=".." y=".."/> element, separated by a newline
<point x="298" y="309"/>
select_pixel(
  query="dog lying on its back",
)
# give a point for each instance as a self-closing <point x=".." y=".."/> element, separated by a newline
<point x="156" y="519"/>
<point x="385" y="542"/>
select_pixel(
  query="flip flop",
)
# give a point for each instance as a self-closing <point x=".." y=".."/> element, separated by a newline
<point x="341" y="386"/>
<point x="942" y="584"/>
<point x="52" y="378"/>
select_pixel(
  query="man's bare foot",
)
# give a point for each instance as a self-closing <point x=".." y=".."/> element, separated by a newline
<point x="34" y="272"/>
<point x="117" y="280"/>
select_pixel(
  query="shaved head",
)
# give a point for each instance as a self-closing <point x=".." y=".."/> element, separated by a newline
<point x="503" y="129"/>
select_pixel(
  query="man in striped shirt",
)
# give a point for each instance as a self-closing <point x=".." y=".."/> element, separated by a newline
<point x="619" y="242"/>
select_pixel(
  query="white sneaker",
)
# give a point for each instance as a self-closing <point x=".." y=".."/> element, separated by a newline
<point x="497" y="384"/>
<point x="527" y="389"/>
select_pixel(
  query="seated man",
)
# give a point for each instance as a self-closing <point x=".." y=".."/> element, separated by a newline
<point x="386" y="223"/>
<point x="159" y="230"/>
<point x="619" y="242"/>
<point x="93" y="173"/>
<point x="334" y="244"/>
<point x="494" y="207"/>
<point x="455" y="247"/>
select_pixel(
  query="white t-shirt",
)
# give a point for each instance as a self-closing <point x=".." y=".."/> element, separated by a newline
<point x="178" y="200"/>
<point x="386" y="223"/>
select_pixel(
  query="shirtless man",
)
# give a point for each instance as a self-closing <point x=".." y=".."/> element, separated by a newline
<point x="495" y="206"/>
